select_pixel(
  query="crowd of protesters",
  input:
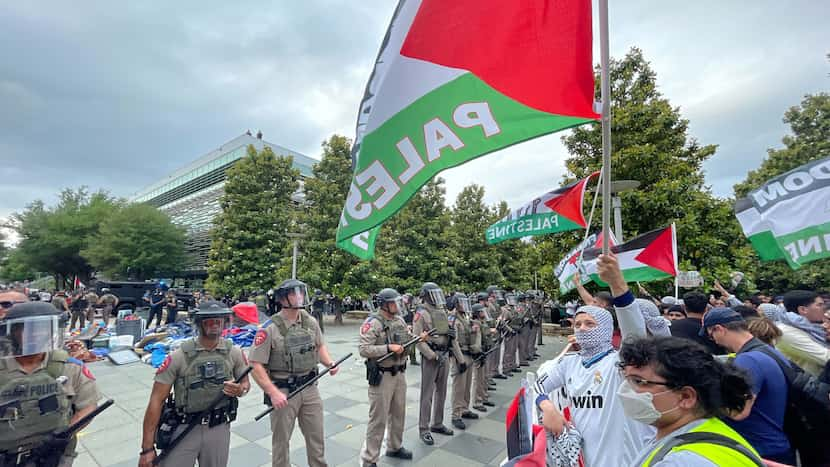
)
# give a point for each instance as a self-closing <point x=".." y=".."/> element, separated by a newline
<point x="702" y="380"/>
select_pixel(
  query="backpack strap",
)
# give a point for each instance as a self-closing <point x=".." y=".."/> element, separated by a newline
<point x="705" y="437"/>
<point x="280" y="324"/>
<point x="189" y="348"/>
<point x="789" y="369"/>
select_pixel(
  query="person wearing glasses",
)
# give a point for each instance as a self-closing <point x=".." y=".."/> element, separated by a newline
<point x="9" y="299"/>
<point x="679" y="388"/>
<point x="590" y="378"/>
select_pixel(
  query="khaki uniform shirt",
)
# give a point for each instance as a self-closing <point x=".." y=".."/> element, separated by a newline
<point x="373" y="341"/>
<point x="79" y="386"/>
<point x="175" y="364"/>
<point x="270" y="337"/>
<point x="422" y="321"/>
<point x="475" y="333"/>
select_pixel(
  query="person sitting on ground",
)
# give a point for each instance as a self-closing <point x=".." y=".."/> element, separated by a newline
<point x="678" y="387"/>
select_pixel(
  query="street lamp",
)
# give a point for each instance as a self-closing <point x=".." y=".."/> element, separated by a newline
<point x="296" y="237"/>
<point x="618" y="186"/>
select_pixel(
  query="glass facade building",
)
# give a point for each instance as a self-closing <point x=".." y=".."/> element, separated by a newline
<point x="191" y="194"/>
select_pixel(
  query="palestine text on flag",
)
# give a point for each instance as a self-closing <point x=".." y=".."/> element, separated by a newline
<point x="457" y="80"/>
<point x="789" y="216"/>
<point x="555" y="211"/>
<point x="651" y="256"/>
<point x="570" y="264"/>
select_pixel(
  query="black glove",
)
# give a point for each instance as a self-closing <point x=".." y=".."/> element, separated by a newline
<point x="462" y="367"/>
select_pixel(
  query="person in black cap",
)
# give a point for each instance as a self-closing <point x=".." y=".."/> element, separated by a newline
<point x="762" y="420"/>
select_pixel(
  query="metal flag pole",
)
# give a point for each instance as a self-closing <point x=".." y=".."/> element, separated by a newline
<point x="605" y="86"/>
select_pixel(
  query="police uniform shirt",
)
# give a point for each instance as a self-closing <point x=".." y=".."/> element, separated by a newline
<point x="79" y="386"/>
<point x="157" y="298"/>
<point x="269" y="338"/>
<point x="373" y="340"/>
<point x="176" y="363"/>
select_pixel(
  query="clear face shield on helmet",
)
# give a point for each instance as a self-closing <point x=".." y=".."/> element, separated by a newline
<point x="211" y="326"/>
<point x="436" y="296"/>
<point x="511" y="299"/>
<point x="296" y="297"/>
<point x="394" y="306"/>
<point x="463" y="304"/>
<point x="30" y="336"/>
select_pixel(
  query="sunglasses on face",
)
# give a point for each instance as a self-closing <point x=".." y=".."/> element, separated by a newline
<point x="10" y="304"/>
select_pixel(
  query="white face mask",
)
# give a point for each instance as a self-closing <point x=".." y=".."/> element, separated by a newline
<point x="639" y="406"/>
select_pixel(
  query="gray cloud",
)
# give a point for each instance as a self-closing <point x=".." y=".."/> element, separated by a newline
<point x="119" y="95"/>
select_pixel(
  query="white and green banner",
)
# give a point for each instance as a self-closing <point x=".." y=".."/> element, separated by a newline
<point x="573" y="263"/>
<point x="788" y="217"/>
<point x="457" y="80"/>
<point x="559" y="210"/>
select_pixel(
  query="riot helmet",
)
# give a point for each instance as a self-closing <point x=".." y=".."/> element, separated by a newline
<point x="462" y="303"/>
<point x="29" y="329"/>
<point x="432" y="294"/>
<point x="522" y="297"/>
<point x="390" y="296"/>
<point x="481" y="296"/>
<point x="215" y="316"/>
<point x="510" y="298"/>
<point x="479" y="311"/>
<point x="293" y="292"/>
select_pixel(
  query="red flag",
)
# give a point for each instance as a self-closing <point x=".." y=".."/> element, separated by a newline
<point x="246" y="311"/>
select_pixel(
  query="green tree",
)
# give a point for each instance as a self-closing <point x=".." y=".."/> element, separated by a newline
<point x="809" y="140"/>
<point x="322" y="265"/>
<point x="51" y="239"/>
<point x="650" y="143"/>
<point x="13" y="267"/>
<point x="476" y="261"/>
<point x="137" y="241"/>
<point x="249" y="241"/>
<point x="414" y="243"/>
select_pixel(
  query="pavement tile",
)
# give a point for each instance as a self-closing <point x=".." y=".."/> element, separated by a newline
<point x="247" y="455"/>
<point x="440" y="457"/>
<point x="472" y="447"/>
<point x="334" y="403"/>
<point x="487" y="428"/>
<point x="252" y="431"/>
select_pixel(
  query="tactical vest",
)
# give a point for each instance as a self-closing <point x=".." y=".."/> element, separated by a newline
<point x="395" y="332"/>
<point x="203" y="377"/>
<point x="32" y="406"/>
<point x="516" y="318"/>
<point x="486" y="337"/>
<point x="464" y="334"/>
<point x="298" y="354"/>
<point x="439" y="320"/>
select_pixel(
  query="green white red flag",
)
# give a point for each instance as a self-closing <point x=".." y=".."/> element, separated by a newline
<point x="649" y="257"/>
<point x="788" y="217"/>
<point x="454" y="81"/>
<point x="573" y="263"/>
<point x="555" y="211"/>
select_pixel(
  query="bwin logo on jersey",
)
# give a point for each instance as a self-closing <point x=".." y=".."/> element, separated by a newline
<point x="588" y="401"/>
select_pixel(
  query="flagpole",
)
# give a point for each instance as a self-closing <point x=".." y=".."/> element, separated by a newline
<point x="606" y="124"/>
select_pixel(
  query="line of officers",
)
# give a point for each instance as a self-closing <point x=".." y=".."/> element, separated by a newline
<point x="42" y="390"/>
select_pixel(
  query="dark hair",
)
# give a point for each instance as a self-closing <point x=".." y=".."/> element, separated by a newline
<point x="720" y="387"/>
<point x="746" y="311"/>
<point x="736" y="326"/>
<point x="764" y="329"/>
<point x="695" y="302"/>
<point x="755" y="300"/>
<point x="664" y="308"/>
<point x="676" y="309"/>
<point x="796" y="298"/>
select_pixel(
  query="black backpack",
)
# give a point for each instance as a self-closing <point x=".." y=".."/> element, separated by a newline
<point x="807" y="418"/>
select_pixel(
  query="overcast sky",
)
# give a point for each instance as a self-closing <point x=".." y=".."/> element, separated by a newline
<point x="116" y="95"/>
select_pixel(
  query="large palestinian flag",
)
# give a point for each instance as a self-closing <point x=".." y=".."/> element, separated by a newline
<point x="649" y="257"/>
<point x="571" y="263"/>
<point x="555" y="211"/>
<point x="788" y="217"/>
<point x="454" y="81"/>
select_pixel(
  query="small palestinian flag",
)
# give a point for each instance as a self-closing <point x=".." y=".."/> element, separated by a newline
<point x="526" y="442"/>
<point x="649" y="257"/>
<point x="570" y="264"/>
<point x="555" y="211"/>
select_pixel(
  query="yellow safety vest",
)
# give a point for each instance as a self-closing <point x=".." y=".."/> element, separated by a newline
<point x="718" y="454"/>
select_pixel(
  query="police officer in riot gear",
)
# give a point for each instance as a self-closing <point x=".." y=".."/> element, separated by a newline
<point x="431" y="314"/>
<point x="468" y="337"/>
<point x="512" y="323"/>
<point x="198" y="371"/>
<point x="381" y="333"/>
<point x="285" y="355"/>
<point x="42" y="389"/>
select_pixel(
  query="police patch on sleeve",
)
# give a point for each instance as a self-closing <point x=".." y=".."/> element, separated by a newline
<point x="164" y="365"/>
<point x="366" y="326"/>
<point x="87" y="373"/>
<point x="261" y="335"/>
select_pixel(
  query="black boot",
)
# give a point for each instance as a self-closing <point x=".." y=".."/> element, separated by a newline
<point x="401" y="453"/>
<point x="458" y="423"/>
